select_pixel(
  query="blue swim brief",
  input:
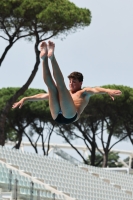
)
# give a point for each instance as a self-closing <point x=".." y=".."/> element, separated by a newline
<point x="62" y="120"/>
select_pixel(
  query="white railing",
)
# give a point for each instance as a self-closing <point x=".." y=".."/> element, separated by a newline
<point x="84" y="150"/>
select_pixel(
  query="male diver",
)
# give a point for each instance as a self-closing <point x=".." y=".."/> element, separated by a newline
<point x="65" y="105"/>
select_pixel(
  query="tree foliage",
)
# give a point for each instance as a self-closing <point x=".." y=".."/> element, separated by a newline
<point x="28" y="121"/>
<point x="45" y="19"/>
<point x="113" y="160"/>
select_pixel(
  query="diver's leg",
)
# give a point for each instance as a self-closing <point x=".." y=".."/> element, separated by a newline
<point x="66" y="101"/>
<point x="52" y="89"/>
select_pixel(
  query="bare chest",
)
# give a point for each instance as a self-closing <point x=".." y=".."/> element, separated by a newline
<point x="80" y="101"/>
<point x="78" y="96"/>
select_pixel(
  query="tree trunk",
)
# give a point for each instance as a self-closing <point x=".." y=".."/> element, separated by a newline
<point x="2" y="134"/>
<point x="8" y="106"/>
<point x="105" y="159"/>
<point x="5" y="52"/>
<point x="129" y="133"/>
<point x="20" y="134"/>
<point x="93" y="154"/>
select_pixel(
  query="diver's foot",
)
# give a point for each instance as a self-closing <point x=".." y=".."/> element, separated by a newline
<point x="43" y="50"/>
<point x="51" y="47"/>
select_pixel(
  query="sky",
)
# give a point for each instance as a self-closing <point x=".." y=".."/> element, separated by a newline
<point x="103" y="51"/>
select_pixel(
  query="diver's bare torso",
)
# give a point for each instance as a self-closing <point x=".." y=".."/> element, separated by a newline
<point x="81" y="99"/>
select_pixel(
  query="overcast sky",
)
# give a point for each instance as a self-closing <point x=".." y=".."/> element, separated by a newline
<point x="103" y="52"/>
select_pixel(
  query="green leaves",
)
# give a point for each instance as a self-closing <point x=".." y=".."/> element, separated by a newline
<point x="113" y="160"/>
<point x="29" y="109"/>
<point x="55" y="16"/>
<point x="31" y="112"/>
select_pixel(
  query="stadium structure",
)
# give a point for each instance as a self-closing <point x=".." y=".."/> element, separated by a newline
<point x="29" y="176"/>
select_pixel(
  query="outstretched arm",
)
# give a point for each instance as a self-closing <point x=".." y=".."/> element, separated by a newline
<point x="99" y="90"/>
<point x="37" y="97"/>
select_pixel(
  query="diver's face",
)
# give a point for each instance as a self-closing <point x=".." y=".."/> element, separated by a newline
<point x="74" y="85"/>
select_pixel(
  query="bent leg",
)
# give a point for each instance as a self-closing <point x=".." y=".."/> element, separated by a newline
<point x="66" y="101"/>
<point x="52" y="89"/>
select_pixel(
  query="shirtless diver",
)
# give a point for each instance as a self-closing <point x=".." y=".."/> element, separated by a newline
<point x="66" y="105"/>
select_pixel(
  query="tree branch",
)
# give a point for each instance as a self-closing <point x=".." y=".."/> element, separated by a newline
<point x="49" y="138"/>
<point x="37" y="141"/>
<point x="78" y="136"/>
<point x="31" y="142"/>
<point x="87" y="145"/>
<point x="49" y="36"/>
<point x="117" y="142"/>
<point x="5" y="29"/>
<point x="87" y="137"/>
<point x="22" y="36"/>
<point x="74" y="148"/>
<point x="98" y="148"/>
<point x="102" y="135"/>
<point x="4" y="38"/>
<point x="43" y="148"/>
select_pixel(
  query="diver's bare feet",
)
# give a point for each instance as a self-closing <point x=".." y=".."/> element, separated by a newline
<point x="51" y="47"/>
<point x="43" y="50"/>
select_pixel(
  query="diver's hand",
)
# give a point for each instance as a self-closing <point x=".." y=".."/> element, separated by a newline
<point x="113" y="93"/>
<point x="19" y="103"/>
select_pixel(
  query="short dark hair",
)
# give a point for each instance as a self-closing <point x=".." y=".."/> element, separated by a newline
<point x="76" y="75"/>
